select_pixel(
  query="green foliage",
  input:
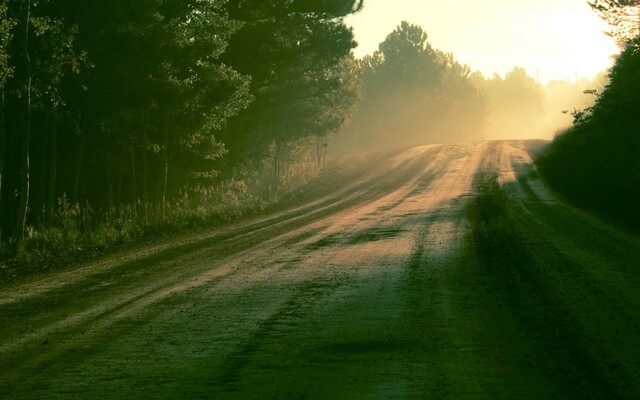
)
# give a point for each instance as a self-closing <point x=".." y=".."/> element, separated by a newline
<point x="43" y="53"/>
<point x="164" y="106"/>
<point x="298" y="55"/>
<point x="490" y="221"/>
<point x="6" y="25"/>
<point x="134" y="110"/>
<point x="596" y="163"/>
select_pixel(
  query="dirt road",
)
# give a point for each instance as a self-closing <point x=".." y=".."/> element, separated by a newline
<point x="411" y="276"/>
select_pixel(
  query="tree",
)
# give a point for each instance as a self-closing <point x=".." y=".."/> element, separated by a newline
<point x="42" y="53"/>
<point x="138" y="95"/>
<point x="296" y="53"/>
<point x="6" y="71"/>
<point x="132" y="92"/>
<point x="413" y="94"/>
<point x="622" y="15"/>
<point x="596" y="163"/>
<point x="516" y="103"/>
<point x="153" y="118"/>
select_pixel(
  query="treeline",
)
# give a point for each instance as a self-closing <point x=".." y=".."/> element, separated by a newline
<point x="413" y="94"/>
<point x="596" y="163"/>
<point x="519" y="107"/>
<point x="111" y="104"/>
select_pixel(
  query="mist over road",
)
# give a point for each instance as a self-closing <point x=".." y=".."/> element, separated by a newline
<point x="409" y="276"/>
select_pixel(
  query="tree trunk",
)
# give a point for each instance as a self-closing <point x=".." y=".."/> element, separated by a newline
<point x="144" y="171"/>
<point x="75" y="196"/>
<point x="134" y="183"/>
<point x="23" y="204"/>
<point x="145" y="198"/>
<point x="325" y="146"/>
<point x="53" y="171"/>
<point x="165" y="178"/>
<point x="38" y="212"/>
<point x="110" y="193"/>
<point x="321" y="151"/>
<point x="3" y="142"/>
<point x="276" y="166"/>
<point x="119" y="200"/>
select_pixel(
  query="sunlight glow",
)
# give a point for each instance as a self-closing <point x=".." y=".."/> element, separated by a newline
<point x="551" y="39"/>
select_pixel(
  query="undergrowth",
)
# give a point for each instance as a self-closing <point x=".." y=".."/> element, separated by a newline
<point x="80" y="233"/>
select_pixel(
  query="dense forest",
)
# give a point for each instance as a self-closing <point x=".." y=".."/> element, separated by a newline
<point x="595" y="163"/>
<point x="116" y="114"/>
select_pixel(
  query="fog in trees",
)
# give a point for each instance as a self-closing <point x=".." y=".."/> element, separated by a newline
<point x="519" y="107"/>
<point x="595" y="163"/>
<point x="412" y="94"/>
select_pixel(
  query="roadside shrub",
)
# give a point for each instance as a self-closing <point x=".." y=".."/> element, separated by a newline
<point x="79" y="232"/>
<point x="595" y="164"/>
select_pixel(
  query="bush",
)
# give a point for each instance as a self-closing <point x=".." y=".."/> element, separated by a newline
<point x="596" y="163"/>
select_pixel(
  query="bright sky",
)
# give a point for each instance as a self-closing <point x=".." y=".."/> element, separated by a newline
<point x="551" y="39"/>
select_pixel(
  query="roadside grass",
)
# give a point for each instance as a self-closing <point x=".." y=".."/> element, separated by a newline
<point x="533" y="292"/>
<point x="80" y="234"/>
<point x="500" y="242"/>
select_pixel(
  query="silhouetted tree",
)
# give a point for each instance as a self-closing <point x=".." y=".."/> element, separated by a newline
<point x="413" y="94"/>
<point x="130" y="92"/>
<point x="156" y="95"/>
<point x="6" y="71"/>
<point x="622" y="15"/>
<point x="596" y="163"/>
<point x="42" y="52"/>
<point x="516" y="104"/>
<point x="298" y="56"/>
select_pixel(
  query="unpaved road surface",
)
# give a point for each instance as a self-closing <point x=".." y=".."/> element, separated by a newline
<point x="405" y="279"/>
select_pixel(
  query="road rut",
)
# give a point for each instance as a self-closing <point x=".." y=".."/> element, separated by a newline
<point x="386" y="286"/>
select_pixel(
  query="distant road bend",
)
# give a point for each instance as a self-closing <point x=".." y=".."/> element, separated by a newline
<point x="409" y="277"/>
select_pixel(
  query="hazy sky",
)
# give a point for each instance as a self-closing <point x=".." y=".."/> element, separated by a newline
<point x="553" y="39"/>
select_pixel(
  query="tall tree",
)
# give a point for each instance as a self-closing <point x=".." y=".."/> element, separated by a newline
<point x="516" y="102"/>
<point x="6" y="71"/>
<point x="149" y="113"/>
<point x="132" y="92"/>
<point x="42" y="51"/>
<point x="413" y="94"/>
<point x="296" y="53"/>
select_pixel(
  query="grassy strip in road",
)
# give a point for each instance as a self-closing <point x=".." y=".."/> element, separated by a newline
<point x="531" y="298"/>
